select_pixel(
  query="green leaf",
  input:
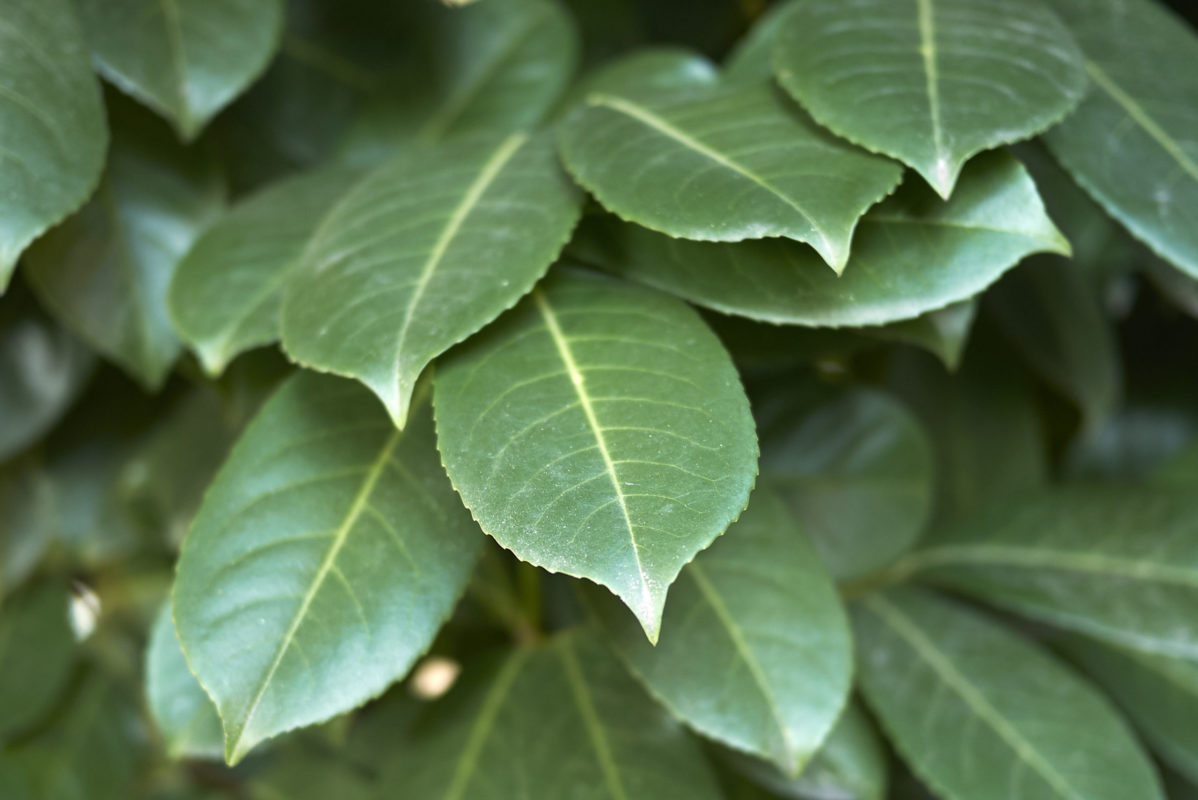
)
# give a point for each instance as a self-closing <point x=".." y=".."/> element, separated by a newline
<point x="186" y="59"/>
<point x="308" y="773"/>
<point x="52" y="130"/>
<point x="670" y="161"/>
<point x="497" y="66"/>
<point x="26" y="503"/>
<point x="42" y="370"/>
<point x="1053" y="315"/>
<point x="599" y="430"/>
<point x="757" y="616"/>
<point x="931" y="82"/>
<point x="912" y="254"/>
<point x="183" y="713"/>
<point x="560" y="719"/>
<point x="850" y="765"/>
<point x="655" y="68"/>
<point x="942" y="332"/>
<point x="1180" y="469"/>
<point x="226" y="294"/>
<point x="1130" y="143"/>
<point x="857" y="471"/>
<point x="422" y="253"/>
<point x="13" y="784"/>
<point x="980" y="713"/>
<point x="37" y="649"/>
<point x="1159" y="694"/>
<point x="1116" y="563"/>
<point x="752" y="59"/>
<point x="104" y="272"/>
<point x="326" y="555"/>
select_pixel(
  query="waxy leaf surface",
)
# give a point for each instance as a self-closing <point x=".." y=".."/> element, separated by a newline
<point x="1131" y="143"/>
<point x="324" y="558"/>
<point x="182" y="711"/>
<point x="755" y="614"/>
<point x="226" y="294"/>
<point x="1116" y="563"/>
<point x="930" y="82"/>
<point x="980" y="713"/>
<point x="560" y="719"/>
<point x="186" y="59"/>
<point x="422" y="253"/>
<point x="600" y="430"/>
<point x="912" y="254"/>
<point x="671" y="161"/>
<point x="52" y="130"/>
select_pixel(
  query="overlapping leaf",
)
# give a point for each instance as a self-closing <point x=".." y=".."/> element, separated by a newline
<point x="226" y="294"/>
<point x="671" y="161"/>
<point x="1130" y="144"/>
<point x="424" y="252"/>
<point x="600" y="430"/>
<point x="52" y="131"/>
<point x="981" y="714"/>
<point x="105" y="272"/>
<point x="186" y="59"/>
<point x="561" y="719"/>
<point x="912" y="254"/>
<point x="327" y="553"/>
<point x="184" y="714"/>
<point x="857" y="471"/>
<point x="36" y="651"/>
<point x="756" y="615"/>
<point x="930" y="82"/>
<point x="1117" y="563"/>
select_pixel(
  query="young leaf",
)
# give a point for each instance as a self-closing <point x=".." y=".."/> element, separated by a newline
<point x="1159" y="693"/>
<point x="36" y="651"/>
<point x="52" y="130"/>
<point x="599" y="430"/>
<point x="982" y="714"/>
<point x="756" y="615"/>
<point x="104" y="272"/>
<point x="42" y="370"/>
<point x="1130" y="143"/>
<point x="912" y="254"/>
<point x="851" y="764"/>
<point x="1116" y="563"/>
<point x="184" y="714"/>
<point x="561" y="719"/>
<point x="669" y="160"/>
<point x="326" y="555"/>
<point x="857" y="472"/>
<point x="186" y="59"/>
<point x="226" y="294"/>
<point x="930" y="82"/>
<point x="422" y="253"/>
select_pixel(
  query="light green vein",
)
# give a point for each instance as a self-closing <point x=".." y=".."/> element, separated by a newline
<point x="590" y="718"/>
<point x="927" y="50"/>
<point x="914" y="636"/>
<point x="235" y="746"/>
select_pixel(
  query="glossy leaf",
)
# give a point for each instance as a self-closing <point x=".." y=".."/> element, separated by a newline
<point x="1116" y="563"/>
<point x="326" y="555"/>
<point x="668" y="160"/>
<point x="1130" y="143"/>
<point x="912" y="254"/>
<point x="226" y="294"/>
<point x="424" y="252"/>
<point x="36" y="652"/>
<point x="562" y="719"/>
<point x="52" y="130"/>
<point x="186" y="59"/>
<point x="756" y="615"/>
<point x="42" y="370"/>
<point x="980" y="713"/>
<point x="850" y="765"/>
<point x="104" y="273"/>
<point x="1158" y="693"/>
<point x="930" y="82"/>
<point x="182" y="711"/>
<point x="857" y="471"/>
<point x="599" y="430"/>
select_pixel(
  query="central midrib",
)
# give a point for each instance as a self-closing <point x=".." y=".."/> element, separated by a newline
<point x="927" y="50"/>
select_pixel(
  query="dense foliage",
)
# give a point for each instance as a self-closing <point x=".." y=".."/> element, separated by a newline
<point x="558" y="399"/>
